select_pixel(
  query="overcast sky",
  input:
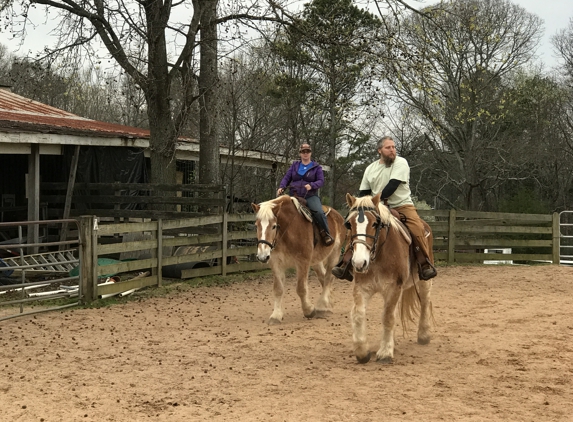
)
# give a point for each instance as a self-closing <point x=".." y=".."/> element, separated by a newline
<point x="555" y="13"/>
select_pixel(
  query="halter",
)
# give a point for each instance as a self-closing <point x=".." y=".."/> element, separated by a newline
<point x="379" y="225"/>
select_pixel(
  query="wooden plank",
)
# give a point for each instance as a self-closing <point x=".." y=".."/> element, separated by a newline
<point x="196" y="257"/>
<point x="191" y="240"/>
<point x="505" y="215"/>
<point x="479" y="257"/>
<point x="503" y="229"/>
<point x="123" y="286"/>
<point x="148" y="214"/>
<point x="243" y="250"/>
<point x="433" y="213"/>
<point x="127" y="266"/>
<point x="243" y="235"/>
<point x="127" y="247"/>
<point x="135" y="199"/>
<point x="111" y="229"/>
<point x="497" y="243"/>
<point x="192" y="222"/>
<point x="240" y="218"/>
<point x="136" y="186"/>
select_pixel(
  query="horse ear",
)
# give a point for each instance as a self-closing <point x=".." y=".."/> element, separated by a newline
<point x="376" y="199"/>
<point x="350" y="200"/>
<point x="255" y="208"/>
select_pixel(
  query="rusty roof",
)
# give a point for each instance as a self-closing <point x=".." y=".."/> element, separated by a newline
<point x="20" y="114"/>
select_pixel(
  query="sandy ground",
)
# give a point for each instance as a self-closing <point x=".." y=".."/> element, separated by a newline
<point x="502" y="350"/>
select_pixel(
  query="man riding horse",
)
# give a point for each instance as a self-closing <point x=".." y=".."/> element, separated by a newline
<point x="391" y="175"/>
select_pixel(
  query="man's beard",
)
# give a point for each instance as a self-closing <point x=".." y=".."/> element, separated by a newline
<point x="388" y="160"/>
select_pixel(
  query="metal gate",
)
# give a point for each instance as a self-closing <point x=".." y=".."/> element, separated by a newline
<point x="566" y="238"/>
<point x="35" y="267"/>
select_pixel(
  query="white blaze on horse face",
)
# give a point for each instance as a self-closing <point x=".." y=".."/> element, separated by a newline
<point x="361" y="256"/>
<point x="263" y="249"/>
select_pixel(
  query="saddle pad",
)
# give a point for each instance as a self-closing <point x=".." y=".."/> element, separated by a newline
<point x="305" y="211"/>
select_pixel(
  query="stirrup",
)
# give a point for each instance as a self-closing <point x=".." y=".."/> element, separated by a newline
<point x="427" y="271"/>
<point x="343" y="272"/>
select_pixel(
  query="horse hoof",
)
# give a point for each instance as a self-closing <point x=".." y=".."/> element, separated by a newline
<point x="387" y="360"/>
<point x="274" y="321"/>
<point x="322" y="314"/>
<point x="311" y="315"/>
<point x="363" y="359"/>
<point x="424" y="341"/>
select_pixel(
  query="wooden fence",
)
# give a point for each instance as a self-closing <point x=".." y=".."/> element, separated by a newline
<point x="459" y="237"/>
<point x="463" y="236"/>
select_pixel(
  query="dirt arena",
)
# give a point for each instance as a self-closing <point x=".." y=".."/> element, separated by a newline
<point x="502" y="350"/>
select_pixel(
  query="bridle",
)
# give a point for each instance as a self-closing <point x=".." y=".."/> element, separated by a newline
<point x="378" y="225"/>
<point x="266" y="242"/>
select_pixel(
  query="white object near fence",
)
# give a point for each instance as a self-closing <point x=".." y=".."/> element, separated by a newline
<point x="502" y="251"/>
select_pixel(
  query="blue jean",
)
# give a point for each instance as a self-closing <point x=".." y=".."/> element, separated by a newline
<point x="315" y="206"/>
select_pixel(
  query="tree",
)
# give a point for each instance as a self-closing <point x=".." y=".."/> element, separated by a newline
<point x="155" y="43"/>
<point x="333" y="40"/>
<point x="452" y="66"/>
<point x="563" y="43"/>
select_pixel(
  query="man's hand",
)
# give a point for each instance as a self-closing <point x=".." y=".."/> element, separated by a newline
<point x="280" y="191"/>
<point x="307" y="187"/>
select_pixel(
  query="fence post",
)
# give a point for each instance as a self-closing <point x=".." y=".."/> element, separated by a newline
<point x="159" y="268"/>
<point x="556" y="239"/>
<point x="451" y="236"/>
<point x="88" y="268"/>
<point x="224" y="245"/>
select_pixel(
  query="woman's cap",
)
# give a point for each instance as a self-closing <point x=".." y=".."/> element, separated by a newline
<point x="305" y="147"/>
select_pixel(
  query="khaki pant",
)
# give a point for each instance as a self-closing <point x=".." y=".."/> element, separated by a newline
<point x="417" y="228"/>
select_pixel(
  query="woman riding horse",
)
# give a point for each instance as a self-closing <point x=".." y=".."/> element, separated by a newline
<point x="305" y="177"/>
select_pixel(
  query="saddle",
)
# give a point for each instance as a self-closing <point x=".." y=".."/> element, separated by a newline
<point x="416" y="254"/>
<point x="300" y="204"/>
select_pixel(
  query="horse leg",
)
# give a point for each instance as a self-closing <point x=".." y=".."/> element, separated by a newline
<point x="302" y="290"/>
<point x="323" y="306"/>
<point x="358" y="320"/>
<point x="385" y="353"/>
<point x="424" y="333"/>
<point x="278" y="291"/>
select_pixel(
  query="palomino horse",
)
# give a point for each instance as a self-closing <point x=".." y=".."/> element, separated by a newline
<point x="382" y="263"/>
<point x="287" y="239"/>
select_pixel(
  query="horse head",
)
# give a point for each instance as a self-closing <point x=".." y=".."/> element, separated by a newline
<point x="267" y="226"/>
<point x="366" y="220"/>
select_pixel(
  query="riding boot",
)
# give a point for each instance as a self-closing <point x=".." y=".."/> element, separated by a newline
<point x="343" y="270"/>
<point x="426" y="270"/>
<point x="323" y="229"/>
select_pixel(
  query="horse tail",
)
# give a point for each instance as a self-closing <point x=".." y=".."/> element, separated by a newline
<point x="409" y="308"/>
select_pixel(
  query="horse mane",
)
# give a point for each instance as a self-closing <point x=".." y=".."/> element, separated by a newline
<point x="266" y="208"/>
<point x="386" y="216"/>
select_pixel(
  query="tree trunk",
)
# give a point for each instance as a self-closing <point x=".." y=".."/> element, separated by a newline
<point x="163" y="136"/>
<point x="208" y="86"/>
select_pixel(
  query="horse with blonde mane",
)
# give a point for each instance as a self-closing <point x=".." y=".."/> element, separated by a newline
<point x="383" y="263"/>
<point x="286" y="239"/>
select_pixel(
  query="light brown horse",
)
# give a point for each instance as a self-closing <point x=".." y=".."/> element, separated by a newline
<point x="286" y="239"/>
<point x="382" y="263"/>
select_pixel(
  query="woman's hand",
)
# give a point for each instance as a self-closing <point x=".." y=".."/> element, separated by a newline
<point x="280" y="191"/>
<point x="307" y="187"/>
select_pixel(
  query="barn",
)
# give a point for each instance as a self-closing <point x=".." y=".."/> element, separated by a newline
<point x="40" y="143"/>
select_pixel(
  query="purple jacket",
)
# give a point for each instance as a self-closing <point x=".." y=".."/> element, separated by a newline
<point x="314" y="176"/>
